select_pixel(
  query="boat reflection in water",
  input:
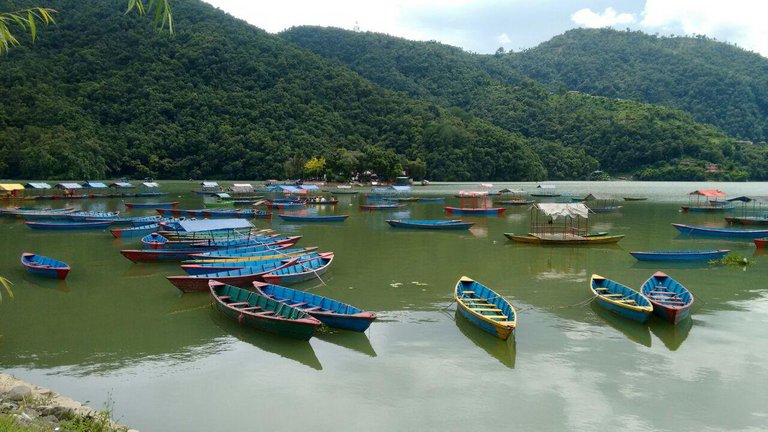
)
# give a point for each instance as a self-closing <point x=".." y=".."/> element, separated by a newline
<point x="503" y="351"/>
<point x="296" y="350"/>
<point x="672" y="336"/>
<point x="635" y="331"/>
<point x="355" y="341"/>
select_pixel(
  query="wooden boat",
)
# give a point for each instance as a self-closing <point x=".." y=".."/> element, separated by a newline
<point x="67" y="225"/>
<point x="284" y="205"/>
<point x="219" y="204"/>
<point x="262" y="313"/>
<point x="373" y="207"/>
<point x="680" y="255"/>
<point x="217" y="267"/>
<point x="324" y="201"/>
<point x="636" y="198"/>
<point x="330" y="312"/>
<point x="760" y="242"/>
<point x="606" y="209"/>
<point x="430" y="199"/>
<point x="152" y="205"/>
<point x="747" y="220"/>
<point x="134" y="231"/>
<point x="485" y="308"/>
<point x="131" y="220"/>
<point x="431" y="224"/>
<point x="671" y="301"/>
<point x="215" y="214"/>
<point x="242" y="277"/>
<point x="244" y="252"/>
<point x="490" y="211"/>
<point x="739" y="233"/>
<point x="620" y="299"/>
<point x="313" y="218"/>
<point x="300" y="271"/>
<point x="514" y="202"/>
<point x="557" y="239"/>
<point x="44" y="266"/>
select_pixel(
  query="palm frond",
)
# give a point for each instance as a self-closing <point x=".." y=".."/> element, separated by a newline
<point x="26" y="19"/>
<point x="162" y="12"/>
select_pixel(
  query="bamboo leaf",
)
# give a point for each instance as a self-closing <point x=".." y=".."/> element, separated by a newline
<point x="32" y="29"/>
<point x="7" y="284"/>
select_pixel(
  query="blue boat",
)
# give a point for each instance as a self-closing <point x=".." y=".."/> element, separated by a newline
<point x="44" y="266"/>
<point x="489" y="211"/>
<point x="152" y="205"/>
<point x="620" y="299"/>
<point x="671" y="300"/>
<point x="303" y="269"/>
<point x="738" y="233"/>
<point x="431" y="224"/>
<point x="62" y="225"/>
<point x="84" y="216"/>
<point x="134" y="231"/>
<point x="314" y="218"/>
<point x="330" y="312"/>
<point x="680" y="255"/>
<point x="485" y="308"/>
<point x="216" y="267"/>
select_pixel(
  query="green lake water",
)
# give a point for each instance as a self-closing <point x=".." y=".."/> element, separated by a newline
<point x="120" y="332"/>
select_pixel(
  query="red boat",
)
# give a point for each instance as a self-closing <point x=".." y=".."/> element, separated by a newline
<point x="760" y="242"/>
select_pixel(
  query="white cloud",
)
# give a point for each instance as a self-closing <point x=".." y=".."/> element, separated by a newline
<point x="588" y="18"/>
<point x="503" y="39"/>
<point x="738" y="21"/>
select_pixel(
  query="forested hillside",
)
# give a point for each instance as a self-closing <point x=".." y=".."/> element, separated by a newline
<point x="717" y="83"/>
<point x="101" y="94"/>
<point x="650" y="141"/>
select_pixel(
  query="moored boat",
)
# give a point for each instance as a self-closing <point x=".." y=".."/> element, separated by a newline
<point x="242" y="277"/>
<point x="134" y="231"/>
<point x="485" y="308"/>
<point x="680" y="255"/>
<point x="330" y="312"/>
<point x="620" y="299"/>
<point x="557" y="239"/>
<point x="671" y="300"/>
<point x="373" y="207"/>
<point x="44" y="266"/>
<point x="313" y="218"/>
<point x="262" y="313"/>
<point x="152" y="205"/>
<point x="489" y="211"/>
<point x="431" y="224"/>
<point x="738" y="233"/>
<point x="300" y="270"/>
<point x="635" y="198"/>
<point x="216" y="267"/>
<point x="62" y="225"/>
<point x="747" y="220"/>
<point x="760" y="242"/>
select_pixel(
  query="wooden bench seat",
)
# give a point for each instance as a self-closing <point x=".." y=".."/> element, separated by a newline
<point x="250" y="308"/>
<point x="238" y="304"/>
<point x="612" y="295"/>
<point x="495" y="317"/>
<point x="298" y="304"/>
<point x="601" y="289"/>
<point x="265" y="313"/>
<point x="490" y="309"/>
<point x="225" y="297"/>
<point x="468" y="292"/>
<point x="312" y="309"/>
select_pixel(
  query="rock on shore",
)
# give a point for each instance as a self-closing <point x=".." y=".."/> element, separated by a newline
<point x="34" y="404"/>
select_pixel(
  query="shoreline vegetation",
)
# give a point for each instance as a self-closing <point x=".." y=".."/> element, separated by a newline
<point x="26" y="407"/>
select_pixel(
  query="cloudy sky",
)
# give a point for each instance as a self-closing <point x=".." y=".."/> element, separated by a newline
<point x="483" y="26"/>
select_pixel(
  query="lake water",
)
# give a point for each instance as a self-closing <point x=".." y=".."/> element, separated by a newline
<point x="119" y="332"/>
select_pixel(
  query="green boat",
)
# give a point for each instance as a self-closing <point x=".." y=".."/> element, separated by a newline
<point x="262" y="313"/>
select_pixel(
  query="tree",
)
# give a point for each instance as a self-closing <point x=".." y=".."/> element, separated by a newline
<point x="315" y="166"/>
<point x="27" y="19"/>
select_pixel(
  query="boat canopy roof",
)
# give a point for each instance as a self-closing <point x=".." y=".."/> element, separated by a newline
<point x="37" y="186"/>
<point x="599" y="197"/>
<point x="571" y="210"/>
<point x="207" y="184"/>
<point x="546" y="186"/>
<point x="292" y="190"/>
<point x="150" y="185"/>
<point x="68" y="186"/>
<point x="242" y="187"/>
<point x="223" y="195"/>
<point x="712" y="193"/>
<point x="747" y="199"/>
<point x="11" y="186"/>
<point x="94" y="185"/>
<point x="511" y="191"/>
<point x="214" y="224"/>
<point x="121" y="185"/>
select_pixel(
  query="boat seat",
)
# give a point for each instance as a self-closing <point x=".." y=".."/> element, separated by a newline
<point x="250" y="308"/>
<point x="491" y="309"/>
<point x="238" y="304"/>
<point x="298" y="304"/>
<point x="312" y="309"/>
<point x="495" y="317"/>
<point x="626" y="300"/>
<point x="662" y="292"/>
<point x="224" y="297"/>
<point x="468" y="292"/>
<point x="265" y="313"/>
<point x="612" y="295"/>
<point x="601" y="289"/>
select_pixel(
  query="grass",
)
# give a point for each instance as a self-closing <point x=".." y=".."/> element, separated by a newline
<point x="733" y="260"/>
<point x="8" y="424"/>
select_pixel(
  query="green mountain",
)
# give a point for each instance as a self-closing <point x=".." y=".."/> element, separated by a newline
<point x="102" y="94"/>
<point x="717" y="83"/>
<point x="626" y="137"/>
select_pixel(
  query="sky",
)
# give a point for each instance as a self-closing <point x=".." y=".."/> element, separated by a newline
<point x="483" y="26"/>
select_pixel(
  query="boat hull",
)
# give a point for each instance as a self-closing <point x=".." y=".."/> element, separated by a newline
<point x="67" y="226"/>
<point x="620" y="300"/>
<point x="44" y="266"/>
<point x="691" y="255"/>
<point x="738" y="233"/>
<point x="761" y="242"/>
<point x="484" y="308"/>
<point x="298" y="218"/>
<point x="671" y="300"/>
<point x="430" y="225"/>
<point x="590" y="240"/>
<point x="492" y="211"/>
